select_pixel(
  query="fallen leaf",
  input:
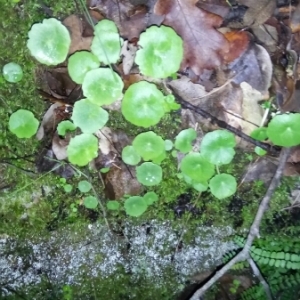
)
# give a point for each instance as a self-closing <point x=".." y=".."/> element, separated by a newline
<point x="238" y="44"/>
<point x="131" y="20"/>
<point x="254" y="66"/>
<point x="204" y="46"/>
<point x="78" y="42"/>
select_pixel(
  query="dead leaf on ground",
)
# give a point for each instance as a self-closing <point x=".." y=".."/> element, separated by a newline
<point x="255" y="67"/>
<point x="131" y="20"/>
<point x="204" y="46"/>
<point x="78" y="42"/>
<point x="121" y="178"/>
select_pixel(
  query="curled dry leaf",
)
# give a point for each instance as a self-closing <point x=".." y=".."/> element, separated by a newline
<point x="59" y="146"/>
<point x="78" y="42"/>
<point x="49" y="121"/>
<point x="254" y="66"/>
<point x="131" y="20"/>
<point x="204" y="46"/>
<point x="128" y="52"/>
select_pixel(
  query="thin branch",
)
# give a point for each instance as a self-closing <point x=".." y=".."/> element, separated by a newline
<point x="262" y="280"/>
<point x="222" y="124"/>
<point x="254" y="230"/>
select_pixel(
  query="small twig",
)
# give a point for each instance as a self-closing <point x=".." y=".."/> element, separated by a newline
<point x="254" y="230"/>
<point x="262" y="280"/>
<point x="185" y="104"/>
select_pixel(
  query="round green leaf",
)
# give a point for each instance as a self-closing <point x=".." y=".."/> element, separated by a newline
<point x="82" y="149"/>
<point x="130" y="156"/>
<point x="90" y="202"/>
<point x="158" y="159"/>
<point x="183" y="141"/>
<point x="68" y="188"/>
<point x="12" y="72"/>
<point x="222" y="186"/>
<point x="143" y="104"/>
<point x="113" y="205"/>
<point x="195" y="166"/>
<point x="149" y="174"/>
<point x="150" y="197"/>
<point x="65" y="126"/>
<point x="148" y="145"/>
<point x="198" y="186"/>
<point x="88" y="116"/>
<point x="102" y="86"/>
<point x="283" y="130"/>
<point x="161" y="52"/>
<point x="168" y="145"/>
<point x="259" y="134"/>
<point x="49" y="42"/>
<point x="23" y="123"/>
<point x="84" y="186"/>
<point x="259" y="151"/>
<point x="217" y="147"/>
<point x="107" y="43"/>
<point x="80" y="63"/>
<point x="135" y="206"/>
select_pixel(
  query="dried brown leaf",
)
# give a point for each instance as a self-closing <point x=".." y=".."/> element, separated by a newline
<point x="204" y="46"/>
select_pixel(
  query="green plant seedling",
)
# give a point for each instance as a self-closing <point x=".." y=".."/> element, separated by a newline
<point x="168" y="145"/>
<point x="23" y="123"/>
<point x="80" y="63"/>
<point x="283" y="130"/>
<point x="195" y="166"/>
<point x="84" y="186"/>
<point x="65" y="126"/>
<point x="259" y="151"/>
<point x="148" y="145"/>
<point x="102" y="86"/>
<point x="88" y="116"/>
<point x="143" y="104"/>
<point x="135" y="206"/>
<point x="218" y="147"/>
<point x="113" y="205"/>
<point x="149" y="174"/>
<point x="198" y="186"/>
<point x="130" y="156"/>
<point x="49" y="42"/>
<point x="150" y="198"/>
<point x="259" y="134"/>
<point x="170" y="103"/>
<point x="222" y="186"/>
<point x="161" y="52"/>
<point x="107" y="43"/>
<point x="104" y="170"/>
<point x="82" y="149"/>
<point x="90" y="202"/>
<point x="68" y="188"/>
<point x="12" y="72"/>
<point x="158" y="159"/>
<point x="184" y="139"/>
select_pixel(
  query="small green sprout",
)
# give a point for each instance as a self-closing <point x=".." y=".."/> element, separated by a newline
<point x="82" y="149"/>
<point x="102" y="86"/>
<point x="12" y="72"/>
<point x="218" y="147"/>
<point x="80" y="63"/>
<point x="135" y="206"/>
<point x="161" y="52"/>
<point x="65" y="126"/>
<point x="130" y="156"/>
<point x="143" y="104"/>
<point x="148" y="145"/>
<point x="149" y="174"/>
<point x="222" y="186"/>
<point x="84" y="186"/>
<point x="107" y="43"/>
<point x="88" y="116"/>
<point x="90" y="202"/>
<point x="23" y="123"/>
<point x="184" y="139"/>
<point x="283" y="130"/>
<point x="49" y="42"/>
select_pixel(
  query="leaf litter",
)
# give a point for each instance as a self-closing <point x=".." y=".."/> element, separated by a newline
<point x="225" y="71"/>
